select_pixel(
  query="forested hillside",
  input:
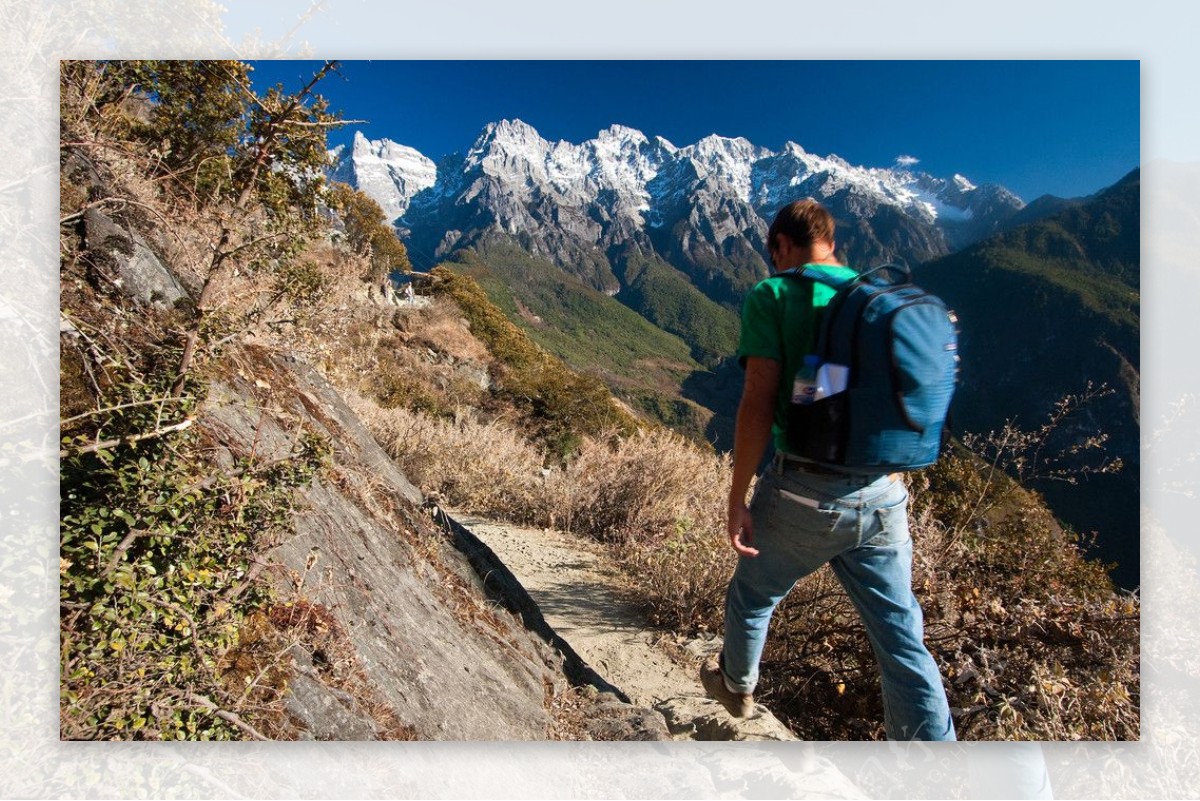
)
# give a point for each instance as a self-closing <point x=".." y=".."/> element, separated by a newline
<point x="1048" y="310"/>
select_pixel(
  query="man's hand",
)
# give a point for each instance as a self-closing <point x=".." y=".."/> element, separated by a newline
<point x="750" y="438"/>
<point x="741" y="529"/>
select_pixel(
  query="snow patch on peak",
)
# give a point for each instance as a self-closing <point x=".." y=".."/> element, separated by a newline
<point x="514" y="126"/>
<point x="509" y="135"/>
<point x="385" y="150"/>
<point x="728" y="161"/>
<point x="388" y="172"/>
<point x="963" y="184"/>
<point x="838" y="161"/>
<point x="623" y="132"/>
<point x="717" y="142"/>
<point x="723" y="148"/>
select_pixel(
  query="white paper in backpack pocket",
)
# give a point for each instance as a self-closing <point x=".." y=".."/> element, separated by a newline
<point x="831" y="379"/>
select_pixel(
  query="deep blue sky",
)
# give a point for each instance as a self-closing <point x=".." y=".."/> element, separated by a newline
<point x="1066" y="128"/>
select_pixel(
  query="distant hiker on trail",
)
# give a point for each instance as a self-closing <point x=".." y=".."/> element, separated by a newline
<point x="388" y="290"/>
<point x="408" y="293"/>
<point x="805" y="514"/>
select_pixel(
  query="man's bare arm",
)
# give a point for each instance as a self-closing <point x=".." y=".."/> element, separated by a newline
<point x="755" y="414"/>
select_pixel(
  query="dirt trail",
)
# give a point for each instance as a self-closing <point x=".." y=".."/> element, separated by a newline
<point x="576" y="587"/>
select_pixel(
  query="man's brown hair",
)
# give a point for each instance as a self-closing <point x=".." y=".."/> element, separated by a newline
<point x="804" y="221"/>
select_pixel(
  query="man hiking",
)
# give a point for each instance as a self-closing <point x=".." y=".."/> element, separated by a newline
<point x="804" y="515"/>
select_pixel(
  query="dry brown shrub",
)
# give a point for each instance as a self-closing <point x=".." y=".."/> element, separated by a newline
<point x="661" y="500"/>
<point x="683" y="576"/>
<point x="485" y="468"/>
<point x="442" y="328"/>
<point x="640" y="488"/>
<point x="424" y="360"/>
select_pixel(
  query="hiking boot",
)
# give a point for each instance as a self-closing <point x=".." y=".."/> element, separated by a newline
<point x="737" y="704"/>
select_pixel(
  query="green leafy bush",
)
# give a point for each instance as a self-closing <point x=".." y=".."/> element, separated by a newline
<point x="157" y="568"/>
<point x="367" y="230"/>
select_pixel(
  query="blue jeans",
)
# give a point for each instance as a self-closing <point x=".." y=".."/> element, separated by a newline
<point x="860" y="526"/>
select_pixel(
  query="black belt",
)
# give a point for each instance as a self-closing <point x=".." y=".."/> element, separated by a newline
<point x="786" y="462"/>
<point x="790" y="462"/>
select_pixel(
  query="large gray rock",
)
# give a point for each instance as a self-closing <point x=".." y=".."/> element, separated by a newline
<point x="328" y="715"/>
<point x="701" y="718"/>
<point x="137" y="270"/>
<point x="354" y="553"/>
<point x="613" y="719"/>
<point x="443" y="655"/>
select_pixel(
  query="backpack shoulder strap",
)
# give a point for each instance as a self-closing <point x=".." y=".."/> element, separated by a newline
<point x="899" y="274"/>
<point x="818" y="276"/>
<point x="810" y="277"/>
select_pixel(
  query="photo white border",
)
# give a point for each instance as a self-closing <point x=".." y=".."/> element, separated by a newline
<point x="36" y="764"/>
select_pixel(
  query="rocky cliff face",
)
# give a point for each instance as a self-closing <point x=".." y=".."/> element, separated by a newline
<point x="407" y="621"/>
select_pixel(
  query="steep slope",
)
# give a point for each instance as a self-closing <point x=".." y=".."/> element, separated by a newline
<point x="665" y="297"/>
<point x="397" y="601"/>
<point x="1045" y="309"/>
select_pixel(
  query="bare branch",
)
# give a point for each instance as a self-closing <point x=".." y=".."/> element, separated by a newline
<point x="229" y="717"/>
<point x="127" y="406"/>
<point x="109" y="443"/>
<point x="105" y="200"/>
<point x="316" y="124"/>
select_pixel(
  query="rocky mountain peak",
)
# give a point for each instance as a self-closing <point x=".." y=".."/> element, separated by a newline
<point x="508" y="135"/>
<point x="624" y="133"/>
<point x="729" y="161"/>
<point x="390" y="173"/>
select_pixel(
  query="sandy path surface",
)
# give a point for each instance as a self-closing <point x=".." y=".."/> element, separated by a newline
<point x="578" y="591"/>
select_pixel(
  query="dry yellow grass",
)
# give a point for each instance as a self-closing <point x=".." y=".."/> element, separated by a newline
<point x="483" y="467"/>
<point x="643" y="486"/>
<point x="442" y="328"/>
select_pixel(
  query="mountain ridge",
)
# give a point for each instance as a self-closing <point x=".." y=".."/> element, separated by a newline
<point x="703" y="207"/>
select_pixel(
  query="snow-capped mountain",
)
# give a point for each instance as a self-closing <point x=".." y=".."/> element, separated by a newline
<point x="387" y="172"/>
<point x="704" y="208"/>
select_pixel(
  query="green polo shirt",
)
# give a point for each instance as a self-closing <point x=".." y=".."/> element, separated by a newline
<point x="779" y="323"/>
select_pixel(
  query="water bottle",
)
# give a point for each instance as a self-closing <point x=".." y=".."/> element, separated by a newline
<point x="804" y="388"/>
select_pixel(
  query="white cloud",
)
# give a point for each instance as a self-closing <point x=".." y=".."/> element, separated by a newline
<point x="907" y="161"/>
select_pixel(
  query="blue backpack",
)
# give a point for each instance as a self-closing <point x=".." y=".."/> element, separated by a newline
<point x="878" y="390"/>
